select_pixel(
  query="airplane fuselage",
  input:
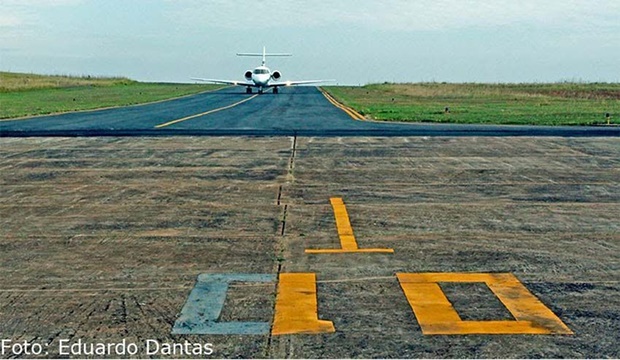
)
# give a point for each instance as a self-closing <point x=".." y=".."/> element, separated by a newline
<point x="261" y="76"/>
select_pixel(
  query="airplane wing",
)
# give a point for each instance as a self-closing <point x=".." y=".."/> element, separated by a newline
<point x="301" y="82"/>
<point x="228" y="82"/>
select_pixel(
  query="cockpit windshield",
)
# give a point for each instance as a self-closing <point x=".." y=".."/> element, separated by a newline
<point x="261" y="71"/>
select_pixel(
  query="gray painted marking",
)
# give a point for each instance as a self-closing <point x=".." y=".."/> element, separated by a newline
<point x="206" y="301"/>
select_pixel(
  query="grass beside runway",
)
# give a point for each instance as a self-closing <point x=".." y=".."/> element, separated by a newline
<point x="520" y="104"/>
<point x="28" y="94"/>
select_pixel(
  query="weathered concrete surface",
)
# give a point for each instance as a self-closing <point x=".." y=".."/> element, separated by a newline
<point x="102" y="239"/>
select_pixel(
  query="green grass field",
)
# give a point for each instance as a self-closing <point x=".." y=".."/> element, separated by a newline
<point x="539" y="104"/>
<point x="28" y="94"/>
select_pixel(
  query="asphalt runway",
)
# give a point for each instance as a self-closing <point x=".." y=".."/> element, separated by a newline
<point x="302" y="111"/>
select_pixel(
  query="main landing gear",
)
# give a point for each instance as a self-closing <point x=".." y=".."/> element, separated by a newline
<point x="248" y="90"/>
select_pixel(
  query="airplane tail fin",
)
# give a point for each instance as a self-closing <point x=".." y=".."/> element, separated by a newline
<point x="264" y="54"/>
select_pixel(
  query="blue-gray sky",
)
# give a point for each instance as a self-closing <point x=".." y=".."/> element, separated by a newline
<point x="353" y="41"/>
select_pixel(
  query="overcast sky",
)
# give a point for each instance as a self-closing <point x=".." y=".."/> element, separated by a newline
<point x="353" y="41"/>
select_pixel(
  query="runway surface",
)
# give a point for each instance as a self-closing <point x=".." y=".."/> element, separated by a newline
<point x="312" y="247"/>
<point x="302" y="111"/>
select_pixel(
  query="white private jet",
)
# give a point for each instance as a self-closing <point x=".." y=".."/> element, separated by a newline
<point x="262" y="77"/>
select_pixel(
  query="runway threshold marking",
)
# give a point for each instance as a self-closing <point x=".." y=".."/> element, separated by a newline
<point x="436" y="315"/>
<point x="296" y="306"/>
<point x="352" y="113"/>
<point x="345" y="233"/>
<point x="204" y="113"/>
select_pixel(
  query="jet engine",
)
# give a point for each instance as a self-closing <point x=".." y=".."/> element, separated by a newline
<point x="248" y="75"/>
<point x="276" y="75"/>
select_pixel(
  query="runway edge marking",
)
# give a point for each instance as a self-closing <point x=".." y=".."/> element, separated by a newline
<point x="352" y="113"/>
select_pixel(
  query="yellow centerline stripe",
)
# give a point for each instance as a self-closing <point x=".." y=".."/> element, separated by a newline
<point x="352" y="113"/>
<point x="204" y="113"/>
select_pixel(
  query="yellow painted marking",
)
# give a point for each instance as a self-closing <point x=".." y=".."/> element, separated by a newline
<point x="296" y="310"/>
<point x="437" y="316"/>
<point x="204" y="113"/>
<point x="345" y="233"/>
<point x="352" y="113"/>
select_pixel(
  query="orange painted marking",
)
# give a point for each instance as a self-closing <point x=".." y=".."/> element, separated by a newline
<point x="345" y="233"/>
<point x="437" y="316"/>
<point x="296" y="306"/>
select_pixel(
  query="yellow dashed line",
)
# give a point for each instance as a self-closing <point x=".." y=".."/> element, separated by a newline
<point x="204" y="113"/>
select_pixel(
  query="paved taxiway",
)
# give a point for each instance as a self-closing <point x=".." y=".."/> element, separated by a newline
<point x="300" y="111"/>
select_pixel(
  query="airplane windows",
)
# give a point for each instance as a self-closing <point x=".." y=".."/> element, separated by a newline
<point x="261" y="71"/>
